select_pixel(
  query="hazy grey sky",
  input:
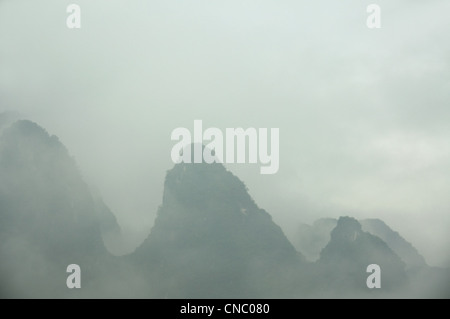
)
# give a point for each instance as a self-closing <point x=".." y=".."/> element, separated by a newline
<point x="363" y="114"/>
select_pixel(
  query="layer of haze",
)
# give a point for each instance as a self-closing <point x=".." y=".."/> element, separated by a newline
<point x="363" y="114"/>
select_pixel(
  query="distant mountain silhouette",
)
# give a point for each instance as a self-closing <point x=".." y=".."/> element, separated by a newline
<point x="209" y="240"/>
<point x="405" y="250"/>
<point x="209" y="233"/>
<point x="48" y="218"/>
<point x="348" y="253"/>
<point x="311" y="239"/>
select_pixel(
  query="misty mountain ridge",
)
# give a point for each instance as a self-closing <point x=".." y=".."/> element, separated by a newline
<point x="311" y="239"/>
<point x="48" y="218"/>
<point x="350" y="250"/>
<point x="209" y="239"/>
<point x="210" y="233"/>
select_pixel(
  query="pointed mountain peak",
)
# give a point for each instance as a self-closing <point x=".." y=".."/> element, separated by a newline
<point x="347" y="229"/>
<point x="350" y="251"/>
<point x="209" y="224"/>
